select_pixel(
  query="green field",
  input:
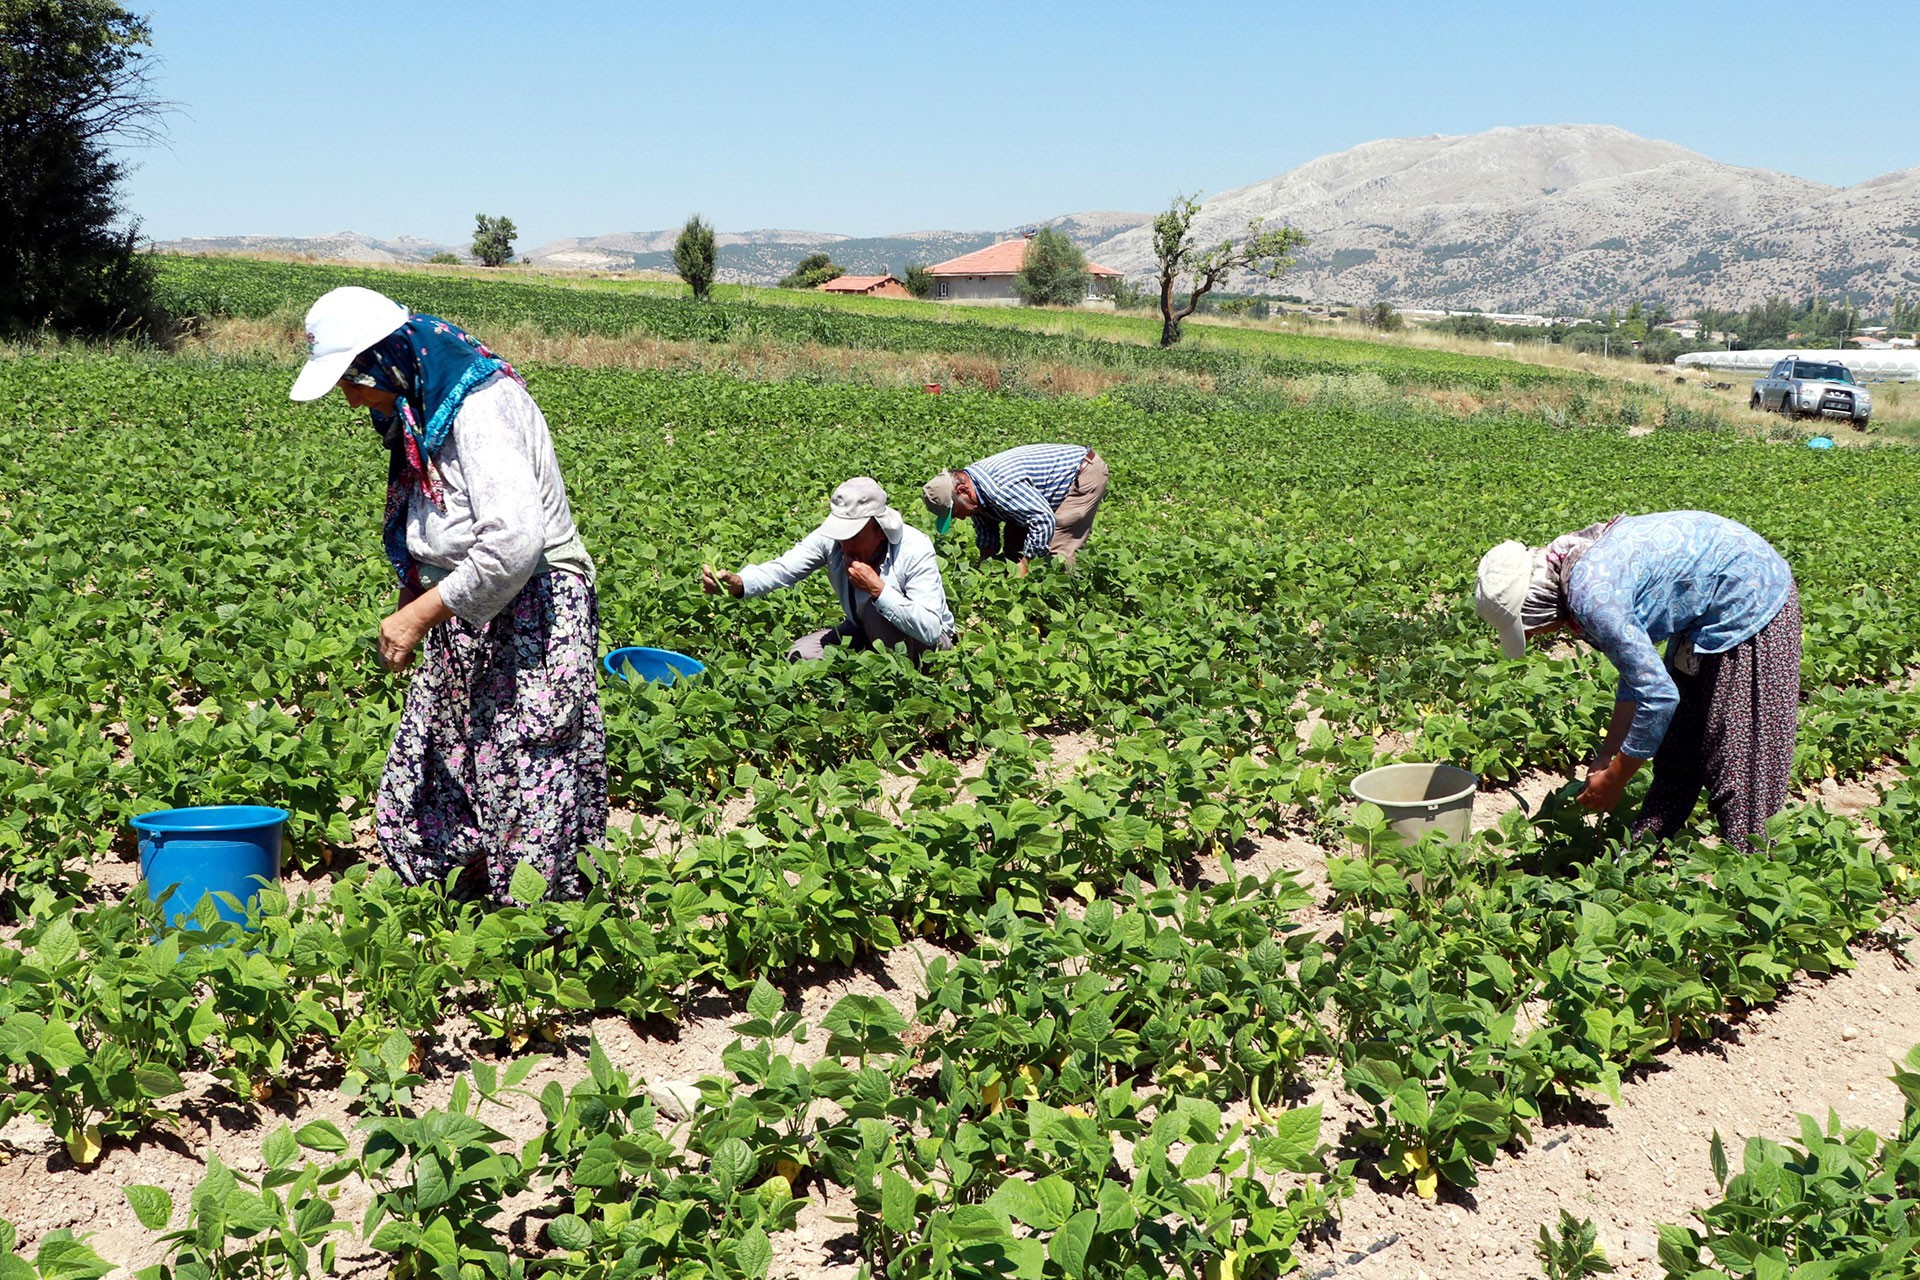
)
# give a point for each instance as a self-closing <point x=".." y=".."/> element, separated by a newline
<point x="1101" y="1074"/>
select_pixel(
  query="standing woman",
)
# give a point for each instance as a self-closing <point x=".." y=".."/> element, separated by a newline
<point x="500" y="756"/>
<point x="1720" y="710"/>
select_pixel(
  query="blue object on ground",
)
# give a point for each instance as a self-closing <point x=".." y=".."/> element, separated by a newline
<point x="662" y="665"/>
<point x="186" y="854"/>
<point x="1820" y="442"/>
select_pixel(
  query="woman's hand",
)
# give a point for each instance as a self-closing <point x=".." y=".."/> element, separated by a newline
<point x="1608" y="783"/>
<point x="713" y="581"/>
<point x="399" y="638"/>
<point x="865" y="577"/>
<point x="403" y="629"/>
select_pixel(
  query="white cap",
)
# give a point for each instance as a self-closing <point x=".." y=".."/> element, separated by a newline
<point x="342" y="324"/>
<point x="1500" y="592"/>
<point x="854" y="503"/>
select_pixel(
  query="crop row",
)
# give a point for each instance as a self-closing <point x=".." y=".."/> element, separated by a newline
<point x="1533" y="965"/>
<point x="236" y="287"/>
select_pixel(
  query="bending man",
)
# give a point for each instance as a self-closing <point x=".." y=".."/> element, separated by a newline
<point x="1044" y="494"/>
<point x="1720" y="710"/>
<point x="886" y="575"/>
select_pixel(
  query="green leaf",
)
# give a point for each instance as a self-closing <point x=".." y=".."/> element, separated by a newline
<point x="158" y="1081"/>
<point x="527" y="885"/>
<point x="1117" y="1212"/>
<point x="395" y="1051"/>
<point x="432" y="1181"/>
<point x="1717" y="1156"/>
<point x="61" y="1257"/>
<point x="281" y="1148"/>
<point x="764" y="1000"/>
<point x="440" y="1242"/>
<point x="1042" y="1205"/>
<point x="1068" y="1248"/>
<point x="897" y="1200"/>
<point x="733" y="1163"/>
<point x="152" y="1205"/>
<point x="570" y="1231"/>
<point x="320" y="1135"/>
<point x="754" y="1253"/>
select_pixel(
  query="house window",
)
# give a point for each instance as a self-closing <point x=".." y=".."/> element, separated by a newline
<point x="940" y="289"/>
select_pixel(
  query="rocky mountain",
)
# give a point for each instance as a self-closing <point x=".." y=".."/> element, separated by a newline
<point x="1541" y="218"/>
<point x="347" y="246"/>
<point x="759" y="257"/>
<point x="1566" y="217"/>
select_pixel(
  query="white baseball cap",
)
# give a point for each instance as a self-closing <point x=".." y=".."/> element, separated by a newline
<point x="854" y="503"/>
<point x="1500" y="592"/>
<point x="342" y="324"/>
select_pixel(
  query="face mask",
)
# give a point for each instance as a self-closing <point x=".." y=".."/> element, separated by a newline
<point x="390" y="427"/>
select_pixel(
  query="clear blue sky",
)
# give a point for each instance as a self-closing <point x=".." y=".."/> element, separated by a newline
<point x="865" y="119"/>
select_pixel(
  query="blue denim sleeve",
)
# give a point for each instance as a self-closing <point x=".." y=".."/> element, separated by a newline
<point x="1644" y="680"/>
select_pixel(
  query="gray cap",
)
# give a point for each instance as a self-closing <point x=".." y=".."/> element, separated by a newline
<point x="938" y="494"/>
<point x="853" y="504"/>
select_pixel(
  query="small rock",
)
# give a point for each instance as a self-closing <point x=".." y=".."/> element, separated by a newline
<point x="1849" y="1033"/>
<point x="676" y="1099"/>
<point x="1593" y="1174"/>
<point x="1883" y="988"/>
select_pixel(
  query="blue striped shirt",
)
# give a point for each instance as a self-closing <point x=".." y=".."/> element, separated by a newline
<point x="1023" y="486"/>
<point x="1677" y="574"/>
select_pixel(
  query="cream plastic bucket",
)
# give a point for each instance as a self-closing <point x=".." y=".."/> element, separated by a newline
<point x="1418" y="798"/>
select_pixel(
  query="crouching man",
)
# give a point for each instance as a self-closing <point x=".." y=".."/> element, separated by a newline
<point x="1029" y="501"/>
<point x="886" y="575"/>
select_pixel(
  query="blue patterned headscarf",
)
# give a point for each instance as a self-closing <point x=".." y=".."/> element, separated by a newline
<point x="429" y="366"/>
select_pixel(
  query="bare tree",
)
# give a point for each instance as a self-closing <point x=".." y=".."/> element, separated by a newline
<point x="1262" y="252"/>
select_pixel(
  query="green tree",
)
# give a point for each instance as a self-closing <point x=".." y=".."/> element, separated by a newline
<point x="694" y="256"/>
<point x="493" y="240"/>
<point x="1383" y="317"/>
<point x="814" y="270"/>
<point x="1054" y="272"/>
<point x="1261" y="251"/>
<point x="73" y="79"/>
<point x="1126" y="295"/>
<point x="445" y="260"/>
<point x="919" y="280"/>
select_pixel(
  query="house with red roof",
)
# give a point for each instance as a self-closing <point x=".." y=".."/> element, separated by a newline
<point x="870" y="286"/>
<point x="986" y="275"/>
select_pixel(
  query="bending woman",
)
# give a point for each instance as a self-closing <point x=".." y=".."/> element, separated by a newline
<point x="500" y="756"/>
<point x="1720" y="711"/>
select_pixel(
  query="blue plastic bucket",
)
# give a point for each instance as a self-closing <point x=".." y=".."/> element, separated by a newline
<point x="662" y="665"/>
<point x="186" y="854"/>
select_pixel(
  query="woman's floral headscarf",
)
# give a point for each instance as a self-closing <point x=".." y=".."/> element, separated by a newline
<point x="1546" y="601"/>
<point x="430" y="366"/>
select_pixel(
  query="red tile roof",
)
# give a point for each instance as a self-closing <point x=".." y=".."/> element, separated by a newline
<point x="854" y="284"/>
<point x="1003" y="259"/>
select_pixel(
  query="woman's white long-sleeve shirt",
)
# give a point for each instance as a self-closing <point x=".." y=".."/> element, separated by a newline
<point x="504" y="513"/>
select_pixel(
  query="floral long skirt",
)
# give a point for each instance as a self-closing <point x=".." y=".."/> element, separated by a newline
<point x="501" y="753"/>
<point x="1731" y="736"/>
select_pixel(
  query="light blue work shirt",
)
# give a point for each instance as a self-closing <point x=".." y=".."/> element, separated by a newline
<point x="1677" y="575"/>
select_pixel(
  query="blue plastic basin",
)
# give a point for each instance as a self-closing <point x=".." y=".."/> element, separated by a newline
<point x="186" y="854"/>
<point x="662" y="665"/>
<point x="1820" y="442"/>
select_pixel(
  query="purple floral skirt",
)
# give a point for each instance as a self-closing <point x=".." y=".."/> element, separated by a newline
<point x="501" y="753"/>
